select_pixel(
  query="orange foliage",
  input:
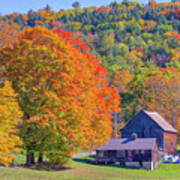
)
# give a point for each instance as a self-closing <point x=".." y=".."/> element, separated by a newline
<point x="165" y="12"/>
<point x="131" y="7"/>
<point x="8" y="34"/>
<point x="104" y="9"/>
<point x="162" y="93"/>
<point x="26" y="18"/>
<point x="121" y="79"/>
<point x="175" y="34"/>
<point x="70" y="84"/>
<point x="48" y="16"/>
<point x="177" y="12"/>
<point x="153" y="3"/>
<point x="12" y="16"/>
<point x="39" y="23"/>
<point x="76" y="42"/>
<point x="149" y="25"/>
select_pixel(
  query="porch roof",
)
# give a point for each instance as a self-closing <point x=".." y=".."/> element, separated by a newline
<point x="129" y="144"/>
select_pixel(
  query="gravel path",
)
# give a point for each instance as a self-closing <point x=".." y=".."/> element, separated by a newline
<point x="85" y="154"/>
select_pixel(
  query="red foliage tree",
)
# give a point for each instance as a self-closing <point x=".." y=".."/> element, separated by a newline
<point x="63" y="91"/>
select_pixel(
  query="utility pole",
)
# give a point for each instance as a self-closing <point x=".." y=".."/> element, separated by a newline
<point x="115" y="124"/>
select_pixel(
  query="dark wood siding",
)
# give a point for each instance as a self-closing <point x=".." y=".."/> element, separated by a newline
<point x="144" y="127"/>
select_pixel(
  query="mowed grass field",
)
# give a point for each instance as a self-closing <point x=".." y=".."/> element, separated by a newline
<point x="84" y="169"/>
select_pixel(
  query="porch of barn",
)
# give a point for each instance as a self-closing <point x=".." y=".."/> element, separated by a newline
<point x="147" y="159"/>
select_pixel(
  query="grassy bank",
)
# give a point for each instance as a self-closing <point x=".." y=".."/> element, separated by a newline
<point x="84" y="169"/>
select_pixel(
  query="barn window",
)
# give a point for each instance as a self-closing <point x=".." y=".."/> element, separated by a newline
<point x="105" y="154"/>
<point x="120" y="154"/>
<point x="130" y="155"/>
<point x="100" y="154"/>
<point x="148" y="151"/>
<point x="112" y="153"/>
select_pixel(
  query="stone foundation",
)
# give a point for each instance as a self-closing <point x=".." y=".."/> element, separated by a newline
<point x="132" y="164"/>
<point x="145" y="165"/>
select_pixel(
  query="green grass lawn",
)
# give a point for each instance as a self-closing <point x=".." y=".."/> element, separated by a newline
<point x="83" y="169"/>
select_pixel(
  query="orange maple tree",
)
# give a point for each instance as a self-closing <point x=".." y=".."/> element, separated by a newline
<point x="64" y="93"/>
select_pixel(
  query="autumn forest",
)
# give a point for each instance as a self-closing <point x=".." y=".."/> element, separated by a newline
<point x="64" y="74"/>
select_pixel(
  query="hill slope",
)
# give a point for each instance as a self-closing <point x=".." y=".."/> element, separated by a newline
<point x="125" y="35"/>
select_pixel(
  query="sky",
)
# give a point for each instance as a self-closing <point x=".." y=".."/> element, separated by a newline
<point x="23" y="6"/>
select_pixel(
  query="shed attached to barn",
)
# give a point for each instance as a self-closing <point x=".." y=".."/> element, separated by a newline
<point x="130" y="152"/>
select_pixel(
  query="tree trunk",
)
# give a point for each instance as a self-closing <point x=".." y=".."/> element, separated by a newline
<point x="174" y="119"/>
<point x="40" y="159"/>
<point x="32" y="159"/>
<point x="28" y="159"/>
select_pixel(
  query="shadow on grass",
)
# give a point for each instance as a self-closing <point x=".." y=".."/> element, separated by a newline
<point x="86" y="160"/>
<point x="41" y="167"/>
<point x="91" y="160"/>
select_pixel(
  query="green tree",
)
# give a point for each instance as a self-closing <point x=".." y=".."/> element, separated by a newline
<point x="76" y="5"/>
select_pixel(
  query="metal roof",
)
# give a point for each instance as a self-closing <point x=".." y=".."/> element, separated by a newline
<point x="160" y="121"/>
<point x="129" y="144"/>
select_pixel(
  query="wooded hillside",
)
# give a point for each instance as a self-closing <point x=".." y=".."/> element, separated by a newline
<point x="126" y="35"/>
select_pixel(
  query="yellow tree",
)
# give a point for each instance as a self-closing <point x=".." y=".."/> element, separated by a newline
<point x="10" y="118"/>
<point x="175" y="58"/>
<point x="121" y="79"/>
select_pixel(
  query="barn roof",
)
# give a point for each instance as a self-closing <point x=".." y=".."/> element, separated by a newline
<point x="129" y="144"/>
<point x="160" y="121"/>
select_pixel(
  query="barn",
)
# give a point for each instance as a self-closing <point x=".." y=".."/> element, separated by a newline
<point x="130" y="152"/>
<point x="151" y="125"/>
